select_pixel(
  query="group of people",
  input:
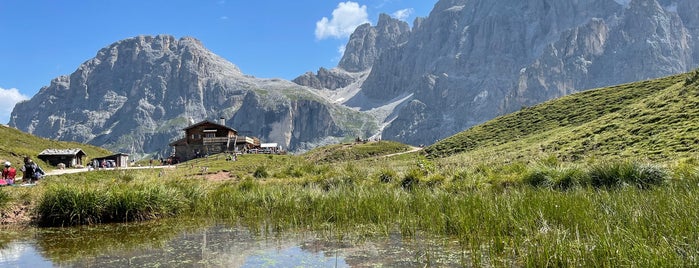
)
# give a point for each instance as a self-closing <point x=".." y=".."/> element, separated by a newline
<point x="31" y="173"/>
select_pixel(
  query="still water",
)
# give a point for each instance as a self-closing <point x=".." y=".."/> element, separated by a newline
<point x="168" y="244"/>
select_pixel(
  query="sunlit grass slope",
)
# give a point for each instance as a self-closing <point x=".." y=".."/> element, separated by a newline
<point x="650" y="120"/>
<point x="355" y="151"/>
<point x="15" y="144"/>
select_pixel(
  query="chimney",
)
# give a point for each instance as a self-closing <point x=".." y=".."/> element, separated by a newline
<point x="222" y="121"/>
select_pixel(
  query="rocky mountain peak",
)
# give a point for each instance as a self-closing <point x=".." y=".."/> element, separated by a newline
<point x="136" y="95"/>
<point x="472" y="60"/>
<point x="364" y="47"/>
<point x="150" y="51"/>
<point x="367" y="42"/>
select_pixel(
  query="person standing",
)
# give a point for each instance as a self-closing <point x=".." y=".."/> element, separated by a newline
<point x="9" y="173"/>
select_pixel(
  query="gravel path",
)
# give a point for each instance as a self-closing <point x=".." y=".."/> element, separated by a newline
<point x="77" y="170"/>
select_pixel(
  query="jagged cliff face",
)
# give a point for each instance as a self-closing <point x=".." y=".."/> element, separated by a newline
<point x="366" y="44"/>
<point x="138" y="94"/>
<point x="472" y="60"/>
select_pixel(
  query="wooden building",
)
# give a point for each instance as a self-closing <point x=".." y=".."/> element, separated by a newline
<point x="204" y="138"/>
<point x="120" y="160"/>
<point x="68" y="157"/>
<point x="245" y="143"/>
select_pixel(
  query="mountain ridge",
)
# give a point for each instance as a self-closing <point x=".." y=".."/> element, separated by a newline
<point x="138" y="94"/>
<point x="650" y="120"/>
<point x="468" y="62"/>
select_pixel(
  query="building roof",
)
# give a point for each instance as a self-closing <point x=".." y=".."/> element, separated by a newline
<point x="207" y="122"/>
<point x="180" y="142"/>
<point x="57" y="152"/>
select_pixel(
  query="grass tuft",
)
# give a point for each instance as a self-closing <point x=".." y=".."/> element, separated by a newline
<point x="616" y="174"/>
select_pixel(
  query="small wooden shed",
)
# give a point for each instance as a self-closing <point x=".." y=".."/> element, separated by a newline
<point x="68" y="157"/>
<point x="119" y="160"/>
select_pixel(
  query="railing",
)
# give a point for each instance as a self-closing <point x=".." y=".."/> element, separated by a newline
<point x="216" y="140"/>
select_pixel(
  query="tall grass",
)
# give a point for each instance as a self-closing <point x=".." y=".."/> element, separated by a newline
<point x="607" y="175"/>
<point x="575" y="215"/>
<point x="65" y="204"/>
<point x="4" y="198"/>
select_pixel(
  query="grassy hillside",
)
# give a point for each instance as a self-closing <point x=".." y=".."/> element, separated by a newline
<point x="653" y="120"/>
<point x="16" y="144"/>
<point x="354" y="151"/>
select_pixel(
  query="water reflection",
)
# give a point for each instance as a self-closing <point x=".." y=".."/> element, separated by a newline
<point x="173" y="245"/>
<point x="21" y="254"/>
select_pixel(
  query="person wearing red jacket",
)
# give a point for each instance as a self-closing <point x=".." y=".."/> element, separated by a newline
<point x="9" y="173"/>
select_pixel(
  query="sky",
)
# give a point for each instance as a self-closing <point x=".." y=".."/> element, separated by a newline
<point x="43" y="39"/>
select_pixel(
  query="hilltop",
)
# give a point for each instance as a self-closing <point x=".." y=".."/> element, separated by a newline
<point x="650" y="120"/>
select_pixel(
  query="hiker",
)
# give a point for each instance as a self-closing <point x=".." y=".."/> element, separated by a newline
<point x="8" y="174"/>
<point x="31" y="171"/>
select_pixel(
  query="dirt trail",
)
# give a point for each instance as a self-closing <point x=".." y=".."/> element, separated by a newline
<point x="412" y="150"/>
<point x="77" y="170"/>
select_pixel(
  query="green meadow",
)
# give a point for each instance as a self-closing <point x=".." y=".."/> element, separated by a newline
<point x="607" y="177"/>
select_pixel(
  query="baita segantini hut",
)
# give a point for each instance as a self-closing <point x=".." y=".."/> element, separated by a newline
<point x="206" y="138"/>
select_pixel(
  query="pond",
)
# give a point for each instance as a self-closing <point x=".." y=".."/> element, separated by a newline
<point x="168" y="244"/>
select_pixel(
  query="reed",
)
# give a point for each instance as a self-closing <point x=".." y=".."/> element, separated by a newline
<point x="66" y="204"/>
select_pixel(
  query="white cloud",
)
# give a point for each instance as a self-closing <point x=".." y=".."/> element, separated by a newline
<point x="403" y="14"/>
<point x="345" y="19"/>
<point x="8" y="99"/>
<point x="223" y="18"/>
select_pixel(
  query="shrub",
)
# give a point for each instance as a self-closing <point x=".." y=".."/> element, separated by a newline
<point x="616" y="174"/>
<point x="261" y="172"/>
<point x="537" y="177"/>
<point x="569" y="178"/>
<point x="647" y="176"/>
<point x="387" y="175"/>
<point x="412" y="179"/>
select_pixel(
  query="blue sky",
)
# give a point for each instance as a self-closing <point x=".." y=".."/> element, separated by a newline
<point x="43" y="39"/>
